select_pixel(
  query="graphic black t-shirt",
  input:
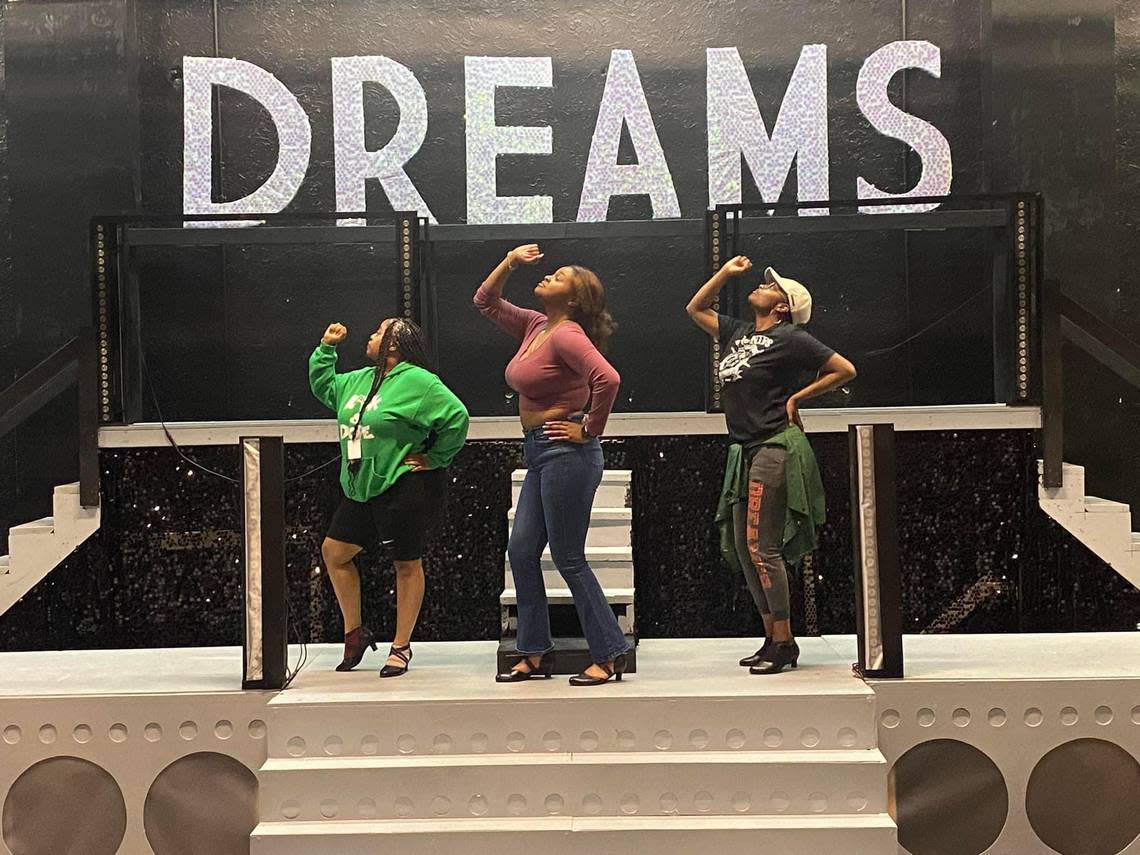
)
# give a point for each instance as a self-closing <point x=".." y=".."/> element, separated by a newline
<point x="759" y="371"/>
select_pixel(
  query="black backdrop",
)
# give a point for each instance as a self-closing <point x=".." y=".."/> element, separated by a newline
<point x="1031" y="98"/>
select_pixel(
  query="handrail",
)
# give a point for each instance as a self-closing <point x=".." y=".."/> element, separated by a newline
<point x="1066" y="319"/>
<point x="75" y="362"/>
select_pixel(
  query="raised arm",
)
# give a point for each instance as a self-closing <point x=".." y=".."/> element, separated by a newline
<point x="512" y="319"/>
<point x="322" y="366"/>
<point x="700" y="307"/>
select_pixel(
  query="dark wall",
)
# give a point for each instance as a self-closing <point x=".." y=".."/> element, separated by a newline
<point x="1036" y="96"/>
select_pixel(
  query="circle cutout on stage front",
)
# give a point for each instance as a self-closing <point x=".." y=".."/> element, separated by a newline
<point x="86" y="794"/>
<point x="201" y="804"/>
<point x="1083" y="798"/>
<point x="948" y="798"/>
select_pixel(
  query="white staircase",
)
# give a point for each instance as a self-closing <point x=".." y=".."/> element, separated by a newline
<point x="1103" y="526"/>
<point x="36" y="548"/>
<point x="609" y="551"/>
<point x="690" y="755"/>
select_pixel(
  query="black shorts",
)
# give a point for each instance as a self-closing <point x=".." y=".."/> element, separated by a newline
<point x="404" y="514"/>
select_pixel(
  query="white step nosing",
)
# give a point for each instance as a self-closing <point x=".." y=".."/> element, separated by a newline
<point x="609" y="476"/>
<point x="40" y="526"/>
<point x="559" y="596"/>
<point x="1095" y="504"/>
<point x="603" y="824"/>
<point x="597" y="514"/>
<point x="829" y="757"/>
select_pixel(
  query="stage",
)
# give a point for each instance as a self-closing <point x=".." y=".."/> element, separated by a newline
<point x="691" y="752"/>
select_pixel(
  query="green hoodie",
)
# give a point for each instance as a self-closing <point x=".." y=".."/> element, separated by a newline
<point x="411" y="413"/>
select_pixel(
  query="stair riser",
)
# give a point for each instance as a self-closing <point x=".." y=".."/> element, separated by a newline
<point x="607" y="533"/>
<point x="647" y="789"/>
<point x="611" y="495"/>
<point x="70" y="516"/>
<point x="610" y="575"/>
<point x="786" y="841"/>
<point x="528" y="725"/>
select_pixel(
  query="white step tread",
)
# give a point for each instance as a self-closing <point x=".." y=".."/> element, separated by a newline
<point x="848" y="757"/>
<point x="1095" y="505"/>
<point x="562" y="596"/>
<point x="44" y="525"/>
<point x="68" y="488"/>
<point x="1135" y="541"/>
<point x="5" y="563"/>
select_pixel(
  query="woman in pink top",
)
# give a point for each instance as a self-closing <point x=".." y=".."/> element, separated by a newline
<point x="558" y="371"/>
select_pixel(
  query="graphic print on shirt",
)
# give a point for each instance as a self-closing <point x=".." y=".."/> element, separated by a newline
<point x="355" y="403"/>
<point x="733" y="366"/>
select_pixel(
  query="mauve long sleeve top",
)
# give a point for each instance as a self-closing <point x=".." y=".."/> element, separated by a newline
<point x="565" y="371"/>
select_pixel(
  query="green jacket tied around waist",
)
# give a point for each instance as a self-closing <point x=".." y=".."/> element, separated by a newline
<point x="806" y="506"/>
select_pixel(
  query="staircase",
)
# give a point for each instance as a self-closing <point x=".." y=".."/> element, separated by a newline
<point x="1103" y="526"/>
<point x="693" y="755"/>
<point x="36" y="548"/>
<point x="608" y="551"/>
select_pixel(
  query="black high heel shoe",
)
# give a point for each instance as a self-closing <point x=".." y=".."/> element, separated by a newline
<point x="780" y="654"/>
<point x="524" y="670"/>
<point x="615" y="673"/>
<point x="757" y="657"/>
<point x="404" y="654"/>
<point x="355" y="643"/>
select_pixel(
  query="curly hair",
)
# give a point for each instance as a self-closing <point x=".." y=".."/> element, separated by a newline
<point x="590" y="310"/>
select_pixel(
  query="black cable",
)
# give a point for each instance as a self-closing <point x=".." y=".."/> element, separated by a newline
<point x="885" y="350"/>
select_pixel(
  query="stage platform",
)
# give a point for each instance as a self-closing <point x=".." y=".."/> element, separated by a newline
<point x="690" y="753"/>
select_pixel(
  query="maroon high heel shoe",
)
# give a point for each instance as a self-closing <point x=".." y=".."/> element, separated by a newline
<point x="355" y="643"/>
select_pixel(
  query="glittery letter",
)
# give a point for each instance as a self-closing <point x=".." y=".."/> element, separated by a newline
<point x="354" y="163"/>
<point x="624" y="101"/>
<point x="294" y="136"/>
<point x="735" y="128"/>
<point x="486" y="140"/>
<point x="933" y="149"/>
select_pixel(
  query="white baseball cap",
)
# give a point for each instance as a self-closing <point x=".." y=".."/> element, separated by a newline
<point x="799" y="298"/>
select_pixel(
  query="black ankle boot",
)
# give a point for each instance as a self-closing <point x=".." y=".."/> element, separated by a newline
<point x="780" y="653"/>
<point x="757" y="657"/>
<point x="355" y="643"/>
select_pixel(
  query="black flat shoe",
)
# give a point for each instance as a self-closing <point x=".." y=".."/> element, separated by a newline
<point x="757" y="657"/>
<point x="780" y="654"/>
<point x="404" y="654"/>
<point x="355" y="643"/>
<point x="524" y="670"/>
<point x="614" y="673"/>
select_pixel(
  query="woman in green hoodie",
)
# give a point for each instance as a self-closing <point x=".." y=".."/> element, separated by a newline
<point x="400" y="428"/>
<point x="772" y="501"/>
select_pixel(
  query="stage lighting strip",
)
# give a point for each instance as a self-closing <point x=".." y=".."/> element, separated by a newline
<point x="1022" y="305"/>
<point x="104" y="362"/>
<point x="251" y="489"/>
<point x="869" y="549"/>
<point x="714" y="266"/>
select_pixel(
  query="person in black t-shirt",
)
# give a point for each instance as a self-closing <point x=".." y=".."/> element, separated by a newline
<point x="768" y="365"/>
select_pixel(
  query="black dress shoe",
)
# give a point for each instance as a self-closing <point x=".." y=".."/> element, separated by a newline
<point x="355" y="643"/>
<point x="757" y="657"/>
<point x="613" y="673"/>
<point x="404" y="654"/>
<point x="524" y="670"/>
<point x="780" y="654"/>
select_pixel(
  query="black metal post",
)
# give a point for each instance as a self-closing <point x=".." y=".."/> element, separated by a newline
<point x="715" y="247"/>
<point x="874" y="529"/>
<point x="1052" y="392"/>
<point x="264" y="637"/>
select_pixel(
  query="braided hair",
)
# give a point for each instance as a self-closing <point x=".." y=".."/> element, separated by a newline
<point x="407" y="339"/>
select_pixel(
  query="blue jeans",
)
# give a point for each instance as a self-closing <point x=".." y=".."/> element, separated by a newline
<point x="554" y="506"/>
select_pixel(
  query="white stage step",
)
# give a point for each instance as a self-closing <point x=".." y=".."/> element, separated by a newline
<point x="613" y="565"/>
<point x="627" y="835"/>
<point x="536" y="785"/>
<point x="608" y="526"/>
<point x="562" y="596"/>
<point x="1102" y="525"/>
<point x="612" y="492"/>
<point x="37" y="547"/>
